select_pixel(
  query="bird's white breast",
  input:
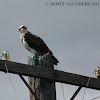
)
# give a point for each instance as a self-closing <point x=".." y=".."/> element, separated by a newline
<point x="26" y="45"/>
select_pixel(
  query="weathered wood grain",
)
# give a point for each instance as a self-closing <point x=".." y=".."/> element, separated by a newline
<point x="46" y="73"/>
<point x="44" y="89"/>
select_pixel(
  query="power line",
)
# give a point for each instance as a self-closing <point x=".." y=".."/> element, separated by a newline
<point x="63" y="91"/>
<point x="95" y="98"/>
<point x="62" y="88"/>
<point x="9" y="76"/>
<point x="87" y="85"/>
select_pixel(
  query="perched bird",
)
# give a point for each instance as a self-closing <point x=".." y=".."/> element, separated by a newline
<point x="5" y="56"/>
<point x="34" y="44"/>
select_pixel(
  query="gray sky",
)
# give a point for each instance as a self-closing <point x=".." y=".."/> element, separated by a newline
<point x="71" y="32"/>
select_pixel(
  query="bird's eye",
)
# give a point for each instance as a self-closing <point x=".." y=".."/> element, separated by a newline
<point x="24" y="27"/>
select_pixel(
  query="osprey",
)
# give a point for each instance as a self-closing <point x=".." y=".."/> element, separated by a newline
<point x="34" y="44"/>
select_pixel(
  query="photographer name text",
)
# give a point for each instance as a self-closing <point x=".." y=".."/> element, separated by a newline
<point x="72" y="3"/>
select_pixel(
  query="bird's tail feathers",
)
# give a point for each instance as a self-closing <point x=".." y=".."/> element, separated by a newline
<point x="55" y="61"/>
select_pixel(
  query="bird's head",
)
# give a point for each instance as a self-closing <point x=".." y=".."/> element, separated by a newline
<point x="23" y="29"/>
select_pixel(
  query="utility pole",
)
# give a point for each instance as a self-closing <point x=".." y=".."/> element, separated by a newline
<point x="44" y="89"/>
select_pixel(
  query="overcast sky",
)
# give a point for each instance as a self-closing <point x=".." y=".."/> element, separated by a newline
<point x="72" y="32"/>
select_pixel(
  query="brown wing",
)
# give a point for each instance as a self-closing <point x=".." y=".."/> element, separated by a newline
<point x="36" y="43"/>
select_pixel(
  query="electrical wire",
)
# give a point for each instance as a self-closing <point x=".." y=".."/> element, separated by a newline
<point x="9" y="76"/>
<point x="62" y="87"/>
<point x="87" y="84"/>
<point x="95" y="98"/>
<point x="63" y="91"/>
